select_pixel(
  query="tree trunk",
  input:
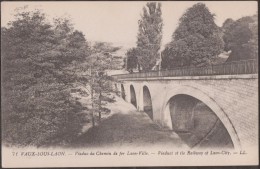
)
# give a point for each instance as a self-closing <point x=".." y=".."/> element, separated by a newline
<point x="92" y="99"/>
<point x="99" y="109"/>
<point x="139" y="69"/>
<point x="92" y="111"/>
<point x="100" y="101"/>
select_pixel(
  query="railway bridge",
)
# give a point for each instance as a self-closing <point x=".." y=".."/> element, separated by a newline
<point x="214" y="106"/>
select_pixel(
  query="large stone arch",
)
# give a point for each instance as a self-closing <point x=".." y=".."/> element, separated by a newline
<point x="207" y="100"/>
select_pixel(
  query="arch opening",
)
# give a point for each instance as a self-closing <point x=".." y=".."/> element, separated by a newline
<point x="122" y="91"/>
<point x="116" y="89"/>
<point x="133" y="96"/>
<point x="147" y="102"/>
<point x="196" y="124"/>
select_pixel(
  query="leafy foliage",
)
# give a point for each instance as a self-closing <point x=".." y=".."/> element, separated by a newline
<point x="241" y="37"/>
<point x="196" y="40"/>
<point x="148" y="39"/>
<point x="101" y="59"/>
<point x="38" y="70"/>
<point x="131" y="62"/>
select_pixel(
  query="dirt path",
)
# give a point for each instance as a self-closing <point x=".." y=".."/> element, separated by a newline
<point x="127" y="127"/>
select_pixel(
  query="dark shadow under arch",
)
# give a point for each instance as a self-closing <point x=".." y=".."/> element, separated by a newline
<point x="133" y="96"/>
<point x="147" y="101"/>
<point x="197" y="124"/>
<point x="116" y="90"/>
<point x="122" y="91"/>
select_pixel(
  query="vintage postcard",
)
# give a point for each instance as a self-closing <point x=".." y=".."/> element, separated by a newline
<point x="141" y="83"/>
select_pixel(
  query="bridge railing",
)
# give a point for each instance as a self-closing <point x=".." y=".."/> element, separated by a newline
<point x="229" y="68"/>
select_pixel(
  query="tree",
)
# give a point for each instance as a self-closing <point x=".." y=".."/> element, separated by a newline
<point x="241" y="37"/>
<point x="149" y="36"/>
<point x="37" y="74"/>
<point x="253" y="42"/>
<point x="100" y="61"/>
<point x="131" y="60"/>
<point x="196" y="40"/>
<point x="227" y="24"/>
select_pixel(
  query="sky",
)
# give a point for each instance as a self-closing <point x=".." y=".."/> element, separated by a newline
<point x="117" y="22"/>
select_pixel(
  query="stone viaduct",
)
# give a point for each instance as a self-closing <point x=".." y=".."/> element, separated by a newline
<point x="216" y="107"/>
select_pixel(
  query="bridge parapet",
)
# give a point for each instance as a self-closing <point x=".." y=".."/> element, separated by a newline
<point x="229" y="68"/>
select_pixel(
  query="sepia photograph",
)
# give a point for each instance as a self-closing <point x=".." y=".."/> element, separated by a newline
<point x="129" y="83"/>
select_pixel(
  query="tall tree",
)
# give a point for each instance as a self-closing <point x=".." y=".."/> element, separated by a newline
<point x="37" y="61"/>
<point x="100" y="61"/>
<point x="196" y="40"/>
<point x="241" y="37"/>
<point x="149" y="36"/>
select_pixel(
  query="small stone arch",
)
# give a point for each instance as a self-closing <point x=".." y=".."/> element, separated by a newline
<point x="147" y="102"/>
<point x="123" y="91"/>
<point x="203" y="97"/>
<point x="133" y="99"/>
<point x="116" y="89"/>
